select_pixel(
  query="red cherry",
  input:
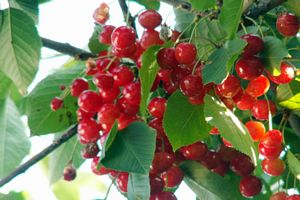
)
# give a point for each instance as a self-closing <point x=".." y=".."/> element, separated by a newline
<point x="245" y="102"/>
<point x="88" y="131"/>
<point x="122" y="181"/>
<point x="172" y="177"/>
<point x="105" y="64"/>
<point x="293" y="197"/>
<point x="69" y="172"/>
<point x="90" y="150"/>
<point x="211" y="159"/>
<point x="132" y="93"/>
<point x="101" y="14"/>
<point x="163" y="196"/>
<point x="122" y="75"/>
<point x="105" y="35"/>
<point x="256" y="130"/>
<point x="156" y="123"/>
<point x="249" y="68"/>
<point x="89" y="101"/>
<point x="149" y="19"/>
<point x="162" y="161"/>
<point x="103" y="81"/>
<point x="269" y="152"/>
<point x="258" y="86"/>
<point x="56" y="103"/>
<point x="149" y="38"/>
<point x="250" y="186"/>
<point x="185" y="53"/>
<point x="191" y="85"/>
<point x="124" y="120"/>
<point x="83" y="115"/>
<point x="195" y="151"/>
<point x="126" y="107"/>
<point x="166" y="58"/>
<point x="287" y="24"/>
<point x="124" y="52"/>
<point x="287" y="74"/>
<point x="165" y="75"/>
<point x="197" y="100"/>
<point x="157" y="107"/>
<point x="123" y="37"/>
<point x="229" y="87"/>
<point x="222" y="169"/>
<point x="227" y="154"/>
<point x="156" y="184"/>
<point x="279" y="196"/>
<point x="170" y="87"/>
<point x="242" y="165"/>
<point x="178" y="73"/>
<point x="94" y="166"/>
<point x="260" y="110"/>
<point x="175" y="35"/>
<point x="110" y="95"/>
<point x="108" y="113"/>
<point x="274" y="167"/>
<point x="254" y="46"/>
<point x="273" y="138"/>
<point x="78" y="86"/>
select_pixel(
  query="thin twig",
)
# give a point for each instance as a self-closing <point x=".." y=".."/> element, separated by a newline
<point x="67" y="49"/>
<point x="25" y="166"/>
<point x="126" y="13"/>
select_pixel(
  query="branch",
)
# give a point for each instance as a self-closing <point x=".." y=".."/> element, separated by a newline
<point x="126" y="13"/>
<point x="67" y="49"/>
<point x="22" y="168"/>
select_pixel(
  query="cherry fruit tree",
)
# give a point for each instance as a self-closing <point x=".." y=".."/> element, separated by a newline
<point x="212" y="100"/>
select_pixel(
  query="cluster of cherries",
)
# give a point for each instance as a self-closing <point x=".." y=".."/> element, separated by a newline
<point x="117" y="94"/>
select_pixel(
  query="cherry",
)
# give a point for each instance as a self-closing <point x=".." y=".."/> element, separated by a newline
<point x="279" y="196"/>
<point x="157" y="107"/>
<point x="293" y="197"/>
<point x="105" y="35"/>
<point x="178" y="73"/>
<point x="156" y="123"/>
<point x="245" y="102"/>
<point x="108" y="113"/>
<point x="258" y="86"/>
<point x="175" y="35"/>
<point x="250" y="186"/>
<point x="149" y="19"/>
<point x="227" y="154"/>
<point x="126" y="107"/>
<point x="162" y="161"/>
<point x="170" y="87"/>
<point x="166" y="58"/>
<point x="194" y="151"/>
<point x="163" y="144"/>
<point x="249" y="67"/>
<point x="122" y="181"/>
<point x="163" y="196"/>
<point x="211" y="159"/>
<point x="229" y="87"/>
<point x="287" y="74"/>
<point x="56" y="103"/>
<point x="287" y="24"/>
<point x="69" y="172"/>
<point x="185" y="53"/>
<point x="78" y="86"/>
<point x="106" y="63"/>
<point x="103" y="81"/>
<point x="101" y="14"/>
<point x="90" y="67"/>
<point x="273" y="167"/>
<point x="81" y="114"/>
<point x="110" y="95"/>
<point x="123" y="37"/>
<point x="89" y="101"/>
<point x="122" y="75"/>
<point x="124" y="120"/>
<point x="164" y="75"/>
<point x="197" y="100"/>
<point x="273" y="138"/>
<point x="132" y="93"/>
<point x="221" y="169"/>
<point x="124" y="52"/>
<point x="191" y="85"/>
<point x="256" y="130"/>
<point x="172" y="177"/>
<point x="156" y="184"/>
<point x="101" y="170"/>
<point x="269" y="152"/>
<point x="88" y="131"/>
<point x="214" y="131"/>
<point x="260" y="110"/>
<point x="90" y="150"/>
<point x="254" y="46"/>
<point x="149" y="38"/>
<point x="242" y="165"/>
<point x="62" y="87"/>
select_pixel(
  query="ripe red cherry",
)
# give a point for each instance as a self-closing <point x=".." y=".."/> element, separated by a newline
<point x="194" y="151"/>
<point x="103" y="81"/>
<point x="197" y="100"/>
<point x="101" y="14"/>
<point x="69" y="172"/>
<point x="172" y="177"/>
<point x="123" y="37"/>
<point x="222" y="169"/>
<point x="170" y="87"/>
<point x="229" y="87"/>
<point x="132" y="93"/>
<point x="122" y="181"/>
<point x="260" y="110"/>
<point x="157" y="107"/>
<point x="245" y="102"/>
<point x="110" y="95"/>
<point x="185" y="53"/>
<point x="149" y="38"/>
<point x="178" y="73"/>
<point x="105" y="35"/>
<point x="211" y="159"/>
<point x="279" y="196"/>
<point x="124" y="120"/>
<point x="273" y="138"/>
<point x="122" y="75"/>
<point x="124" y="52"/>
<point x="56" y="103"/>
<point x="293" y="197"/>
<point x="90" y="150"/>
<point x="94" y="167"/>
<point x="287" y="24"/>
<point x="156" y="184"/>
<point x="256" y="130"/>
<point x="108" y="113"/>
<point x="254" y="46"/>
<point x="163" y="196"/>
<point x="191" y="85"/>
<point x="149" y="19"/>
<point x="269" y="152"/>
<point x="88" y="131"/>
<point x="242" y="165"/>
<point x="287" y="74"/>
<point x="273" y="167"/>
<point x="126" y="107"/>
<point x="258" y="86"/>
<point x="166" y="58"/>
<point x="250" y="186"/>
<point x="83" y="115"/>
<point x="162" y="161"/>
<point x="78" y="86"/>
<point x="89" y="101"/>
<point x="227" y="154"/>
<point x="249" y="68"/>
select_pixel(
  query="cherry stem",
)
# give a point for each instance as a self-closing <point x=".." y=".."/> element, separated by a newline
<point x="109" y="187"/>
<point x="126" y="14"/>
<point x="269" y="113"/>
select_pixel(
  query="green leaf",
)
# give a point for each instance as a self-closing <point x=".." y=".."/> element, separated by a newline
<point x="183" y="122"/>
<point x="293" y="6"/>
<point x="20" y="48"/>
<point x="94" y="45"/>
<point x="294" y="50"/>
<point x="41" y="119"/>
<point x="132" y="150"/>
<point x="61" y="156"/>
<point x="4" y="85"/>
<point x="230" y="127"/>
<point x="273" y="53"/>
<point x="210" y="186"/>
<point x="230" y="16"/>
<point x="14" y="144"/>
<point x="183" y="19"/>
<point x="147" y="75"/>
<point x="222" y="60"/>
<point x="30" y="7"/>
<point x="109" y="140"/>
<point x="149" y="4"/>
<point x="138" y="187"/>
<point x="12" y="196"/>
<point x="43" y="1"/>
<point x="292" y="103"/>
<point x="202" y="5"/>
<point x="288" y="95"/>
<point x="294" y="164"/>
